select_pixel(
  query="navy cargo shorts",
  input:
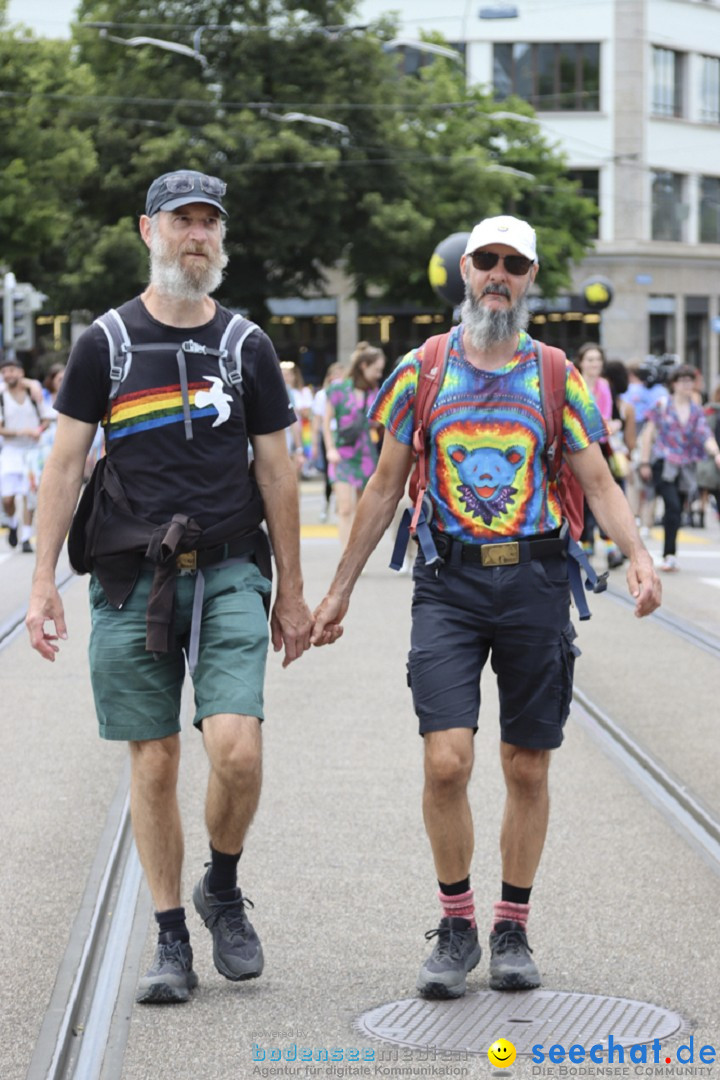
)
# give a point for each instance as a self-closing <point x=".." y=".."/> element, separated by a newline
<point x="520" y="617"/>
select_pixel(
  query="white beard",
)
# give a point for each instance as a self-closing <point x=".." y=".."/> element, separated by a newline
<point x="190" y="283"/>
<point x="490" y="326"/>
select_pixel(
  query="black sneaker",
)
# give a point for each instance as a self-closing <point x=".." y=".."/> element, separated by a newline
<point x="12" y="535"/>
<point x="27" y="547"/>
<point x="456" y="953"/>
<point x="237" y="951"/>
<point x="511" y="965"/>
<point x="171" y="977"/>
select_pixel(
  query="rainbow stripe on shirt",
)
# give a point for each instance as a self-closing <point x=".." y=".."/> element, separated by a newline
<point x="143" y="410"/>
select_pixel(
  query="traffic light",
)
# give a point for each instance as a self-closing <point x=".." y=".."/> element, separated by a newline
<point x="20" y="302"/>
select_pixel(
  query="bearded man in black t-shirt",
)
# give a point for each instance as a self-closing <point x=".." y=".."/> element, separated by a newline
<point x="177" y="475"/>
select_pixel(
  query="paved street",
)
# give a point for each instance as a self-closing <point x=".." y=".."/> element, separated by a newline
<point x="337" y="863"/>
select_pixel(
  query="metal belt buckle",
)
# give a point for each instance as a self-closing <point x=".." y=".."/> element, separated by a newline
<point x="507" y="554"/>
<point x="186" y="561"/>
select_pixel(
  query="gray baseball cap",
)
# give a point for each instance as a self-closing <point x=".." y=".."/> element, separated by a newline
<point x="175" y="189"/>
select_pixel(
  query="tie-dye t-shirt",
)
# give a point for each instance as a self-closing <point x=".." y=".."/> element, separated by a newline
<point x="488" y="477"/>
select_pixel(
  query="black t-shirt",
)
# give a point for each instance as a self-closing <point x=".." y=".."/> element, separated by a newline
<point x="163" y="472"/>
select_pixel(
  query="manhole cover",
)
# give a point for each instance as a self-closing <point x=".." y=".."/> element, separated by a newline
<point x="538" y="1016"/>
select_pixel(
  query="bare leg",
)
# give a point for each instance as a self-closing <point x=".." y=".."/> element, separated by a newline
<point x="446" y="809"/>
<point x="156" y="816"/>
<point x="234" y="748"/>
<point x="527" y="807"/>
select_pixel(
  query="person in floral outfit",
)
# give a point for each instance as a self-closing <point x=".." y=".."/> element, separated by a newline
<point x="352" y="441"/>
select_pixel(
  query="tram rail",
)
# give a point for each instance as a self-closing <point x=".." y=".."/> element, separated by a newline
<point x="84" y="1027"/>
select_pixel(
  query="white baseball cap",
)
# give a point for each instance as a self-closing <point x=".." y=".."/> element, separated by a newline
<point x="504" y="230"/>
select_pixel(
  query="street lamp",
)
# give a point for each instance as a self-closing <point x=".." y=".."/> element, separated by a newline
<point x="194" y="52"/>
<point x="160" y="43"/>
<point x="423" y="46"/>
<point x="307" y="118"/>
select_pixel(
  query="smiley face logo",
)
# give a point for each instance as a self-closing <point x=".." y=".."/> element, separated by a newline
<point x="501" y="1054"/>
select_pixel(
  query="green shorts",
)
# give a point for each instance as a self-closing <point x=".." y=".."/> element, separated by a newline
<point x="137" y="693"/>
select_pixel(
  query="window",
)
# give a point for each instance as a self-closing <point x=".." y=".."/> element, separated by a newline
<point x="589" y="180"/>
<point x="709" y="210"/>
<point x="710" y="89"/>
<point x="667" y="82"/>
<point x="563" y="77"/>
<point x="668" y="209"/>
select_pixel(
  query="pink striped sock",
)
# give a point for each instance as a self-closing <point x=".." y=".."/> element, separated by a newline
<point x="461" y="906"/>
<point x="504" y="909"/>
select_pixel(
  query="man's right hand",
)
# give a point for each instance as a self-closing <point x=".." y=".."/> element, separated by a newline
<point x="45" y="606"/>
<point x="327" y="619"/>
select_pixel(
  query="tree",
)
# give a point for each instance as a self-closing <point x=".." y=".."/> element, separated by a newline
<point x="378" y="167"/>
<point x="45" y="156"/>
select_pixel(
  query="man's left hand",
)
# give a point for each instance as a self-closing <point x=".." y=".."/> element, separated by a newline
<point x="290" y="625"/>
<point x="644" y="584"/>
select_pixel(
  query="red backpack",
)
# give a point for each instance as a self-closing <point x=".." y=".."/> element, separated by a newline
<point x="552" y="375"/>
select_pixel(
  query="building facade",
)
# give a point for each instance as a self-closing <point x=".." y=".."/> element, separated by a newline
<point x="630" y="90"/>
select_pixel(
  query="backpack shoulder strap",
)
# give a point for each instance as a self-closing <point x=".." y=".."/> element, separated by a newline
<point x="30" y="398"/>
<point x="552" y="375"/>
<point x="230" y="359"/>
<point x="430" y="379"/>
<point x="119" y="347"/>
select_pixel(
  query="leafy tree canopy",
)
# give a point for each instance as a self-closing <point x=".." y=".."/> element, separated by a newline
<point x="376" y="169"/>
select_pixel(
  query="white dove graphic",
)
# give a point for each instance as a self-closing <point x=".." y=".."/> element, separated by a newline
<point x="216" y="397"/>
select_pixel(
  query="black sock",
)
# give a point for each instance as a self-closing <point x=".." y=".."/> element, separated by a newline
<point x="514" y="895"/>
<point x="171" y="925"/>
<point x="222" y="878"/>
<point x="456" y="888"/>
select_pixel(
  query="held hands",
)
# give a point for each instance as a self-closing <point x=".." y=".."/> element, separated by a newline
<point x="290" y="625"/>
<point x="327" y="620"/>
<point x="45" y="606"/>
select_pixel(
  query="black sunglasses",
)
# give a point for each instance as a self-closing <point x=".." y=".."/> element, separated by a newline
<point x="517" y="265"/>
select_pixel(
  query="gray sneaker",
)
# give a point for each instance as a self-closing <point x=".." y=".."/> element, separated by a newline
<point x="456" y="953"/>
<point x="171" y="977"/>
<point x="511" y="965"/>
<point x="237" y="951"/>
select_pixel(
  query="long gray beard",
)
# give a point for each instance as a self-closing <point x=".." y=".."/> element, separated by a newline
<point x="486" y="326"/>
<point x="181" y="283"/>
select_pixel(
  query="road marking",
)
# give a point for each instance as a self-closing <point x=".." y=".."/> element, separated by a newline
<point x="711" y="581"/>
<point x="312" y="532"/>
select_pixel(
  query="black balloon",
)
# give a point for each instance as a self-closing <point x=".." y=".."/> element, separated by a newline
<point x="444" y="268"/>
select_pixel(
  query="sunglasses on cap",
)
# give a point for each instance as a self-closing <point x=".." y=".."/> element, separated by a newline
<point x="183" y="183"/>
<point x="517" y="265"/>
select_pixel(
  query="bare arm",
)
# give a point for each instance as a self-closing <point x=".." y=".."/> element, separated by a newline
<point x="612" y="512"/>
<point x="291" y="621"/>
<point x="646" y="443"/>
<point x="330" y="449"/>
<point x="375" y="511"/>
<point x="57" y="499"/>
<point x="630" y="429"/>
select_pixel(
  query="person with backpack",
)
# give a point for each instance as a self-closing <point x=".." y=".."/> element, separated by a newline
<point x="23" y="419"/>
<point x="492" y="577"/>
<point x="170" y="528"/>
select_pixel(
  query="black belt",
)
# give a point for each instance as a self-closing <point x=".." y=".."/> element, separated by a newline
<point x="501" y="553"/>
<point x="189" y="561"/>
<point x="197" y="560"/>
